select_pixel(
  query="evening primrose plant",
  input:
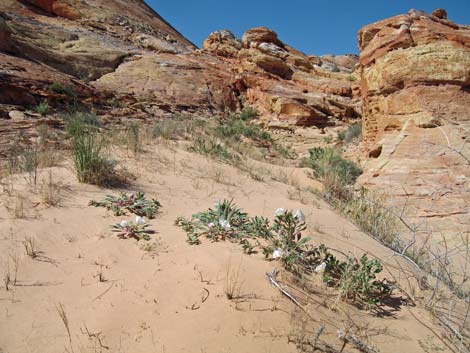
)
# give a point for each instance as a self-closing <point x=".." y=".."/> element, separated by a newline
<point x="226" y="221"/>
<point x="137" y="230"/>
<point x="135" y="203"/>
<point x="283" y="241"/>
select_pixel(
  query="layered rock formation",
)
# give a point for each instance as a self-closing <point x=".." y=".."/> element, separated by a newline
<point x="130" y="51"/>
<point x="415" y="86"/>
<point x="284" y="84"/>
<point x="76" y="44"/>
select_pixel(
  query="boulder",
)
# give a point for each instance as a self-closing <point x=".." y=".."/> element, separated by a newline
<point x="329" y="66"/>
<point x="255" y="36"/>
<point x="16" y="115"/>
<point x="156" y="44"/>
<point x="440" y="13"/>
<point x="271" y="64"/>
<point x="299" y="62"/>
<point x="273" y="50"/>
<point x="223" y="43"/>
<point x="299" y="113"/>
<point x="345" y="63"/>
<point x="315" y="60"/>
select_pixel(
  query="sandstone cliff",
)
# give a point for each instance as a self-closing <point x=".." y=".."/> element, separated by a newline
<point x="415" y="87"/>
<point x="125" y="49"/>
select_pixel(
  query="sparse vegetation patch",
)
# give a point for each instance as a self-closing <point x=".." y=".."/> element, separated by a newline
<point x="43" y="108"/>
<point x="355" y="279"/>
<point x="59" y="88"/>
<point x="135" y="203"/>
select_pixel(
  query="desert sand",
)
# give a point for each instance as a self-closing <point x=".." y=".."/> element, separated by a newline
<point x="164" y="295"/>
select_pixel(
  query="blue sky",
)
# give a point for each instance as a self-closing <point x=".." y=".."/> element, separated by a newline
<point x="313" y="26"/>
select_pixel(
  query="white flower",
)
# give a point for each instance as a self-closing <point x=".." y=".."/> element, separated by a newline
<point x="279" y="212"/>
<point x="124" y="224"/>
<point x="224" y="224"/>
<point x="277" y="254"/>
<point x="300" y="216"/>
<point x="139" y="220"/>
<point x="211" y="225"/>
<point x="320" y="268"/>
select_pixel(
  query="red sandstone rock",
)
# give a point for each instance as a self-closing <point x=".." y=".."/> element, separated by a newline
<point x="415" y="87"/>
<point x="222" y="43"/>
<point x="440" y="13"/>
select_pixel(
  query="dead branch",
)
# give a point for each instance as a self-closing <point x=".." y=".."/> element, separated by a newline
<point x="271" y="276"/>
<point x="356" y="342"/>
<point x="96" y="336"/>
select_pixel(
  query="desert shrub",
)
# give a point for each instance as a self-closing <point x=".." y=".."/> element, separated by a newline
<point x="351" y="134"/>
<point x="326" y="160"/>
<point x="59" y="88"/>
<point x="135" y="203"/>
<point x="169" y="130"/>
<point x="357" y="280"/>
<point x="366" y="209"/>
<point x="236" y="128"/>
<point x="284" y="152"/>
<point x="43" y="108"/>
<point x="341" y="135"/>
<point x="354" y="132"/>
<point x="248" y="113"/>
<point x="51" y="191"/>
<point x="116" y="103"/>
<point x="213" y="149"/>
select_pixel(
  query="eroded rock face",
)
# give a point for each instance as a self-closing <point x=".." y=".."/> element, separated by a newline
<point x="127" y="49"/>
<point x="182" y="82"/>
<point x="264" y="73"/>
<point x="81" y="54"/>
<point x="415" y="86"/>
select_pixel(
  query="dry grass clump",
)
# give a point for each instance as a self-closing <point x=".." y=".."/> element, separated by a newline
<point x="51" y="191"/>
<point x="233" y="284"/>
<point x="29" y="154"/>
<point x="92" y="166"/>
